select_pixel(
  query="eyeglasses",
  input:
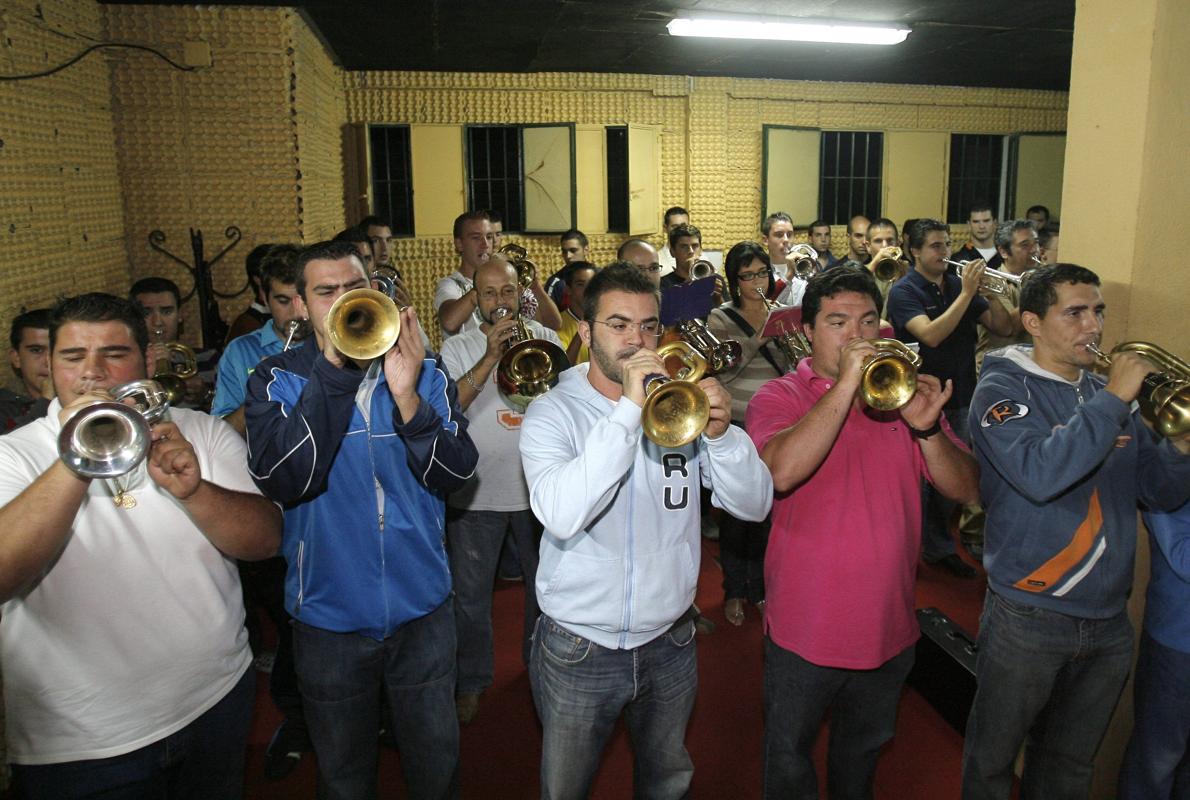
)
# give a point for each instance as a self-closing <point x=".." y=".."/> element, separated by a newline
<point x="752" y="276"/>
<point x="621" y="327"/>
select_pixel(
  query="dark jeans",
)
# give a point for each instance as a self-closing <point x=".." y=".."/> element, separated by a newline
<point x="341" y="677"/>
<point x="863" y="714"/>
<point x="741" y="551"/>
<point x="1157" y="761"/>
<point x="474" y="539"/>
<point x="264" y="588"/>
<point x="203" y="761"/>
<point x="580" y="689"/>
<point x="1047" y="681"/>
<point x="936" y="510"/>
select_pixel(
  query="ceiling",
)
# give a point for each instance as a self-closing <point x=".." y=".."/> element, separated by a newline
<point x="1002" y="43"/>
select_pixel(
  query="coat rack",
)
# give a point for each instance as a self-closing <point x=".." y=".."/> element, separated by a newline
<point x="214" y="329"/>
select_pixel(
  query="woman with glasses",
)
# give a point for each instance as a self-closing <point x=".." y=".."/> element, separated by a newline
<point x="742" y="544"/>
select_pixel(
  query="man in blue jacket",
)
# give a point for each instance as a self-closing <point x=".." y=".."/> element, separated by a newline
<point x="362" y="456"/>
<point x="1064" y="462"/>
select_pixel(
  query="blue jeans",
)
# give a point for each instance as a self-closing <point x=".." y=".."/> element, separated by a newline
<point x="474" y="539"/>
<point x="580" y="689"/>
<point x="1157" y="761"/>
<point x="1048" y="681"/>
<point x="342" y="675"/>
<point x="203" y="761"/>
<point x="863" y="712"/>
<point x="936" y="510"/>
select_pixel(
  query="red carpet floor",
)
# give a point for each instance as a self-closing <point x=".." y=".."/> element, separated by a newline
<point x="501" y="749"/>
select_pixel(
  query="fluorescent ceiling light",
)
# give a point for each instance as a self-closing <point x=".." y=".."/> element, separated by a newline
<point x="772" y="29"/>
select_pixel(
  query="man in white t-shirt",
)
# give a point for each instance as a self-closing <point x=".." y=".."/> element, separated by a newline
<point x="125" y="657"/>
<point x="496" y="498"/>
<point x="674" y="217"/>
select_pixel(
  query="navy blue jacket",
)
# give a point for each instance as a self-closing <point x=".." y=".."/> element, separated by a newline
<point x="363" y="493"/>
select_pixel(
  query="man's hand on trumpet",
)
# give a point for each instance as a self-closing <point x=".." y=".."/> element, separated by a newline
<point x="720" y="402"/>
<point x="402" y="364"/>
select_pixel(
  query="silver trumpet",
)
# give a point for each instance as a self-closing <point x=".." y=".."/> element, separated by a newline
<point x="109" y="438"/>
<point x="994" y="280"/>
<point x="805" y="260"/>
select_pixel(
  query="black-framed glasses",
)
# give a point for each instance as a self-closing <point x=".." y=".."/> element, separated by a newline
<point x="751" y="276"/>
<point x="621" y="327"/>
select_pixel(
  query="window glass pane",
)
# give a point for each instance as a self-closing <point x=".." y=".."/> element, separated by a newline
<point x="850" y="175"/>
<point x="391" y="176"/>
<point x="975" y="164"/>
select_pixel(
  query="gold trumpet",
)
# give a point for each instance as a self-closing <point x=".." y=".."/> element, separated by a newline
<point x="890" y="267"/>
<point x="526" y="270"/>
<point x="171" y="374"/>
<point x="108" y="439"/>
<point x="529" y="367"/>
<point x="364" y="323"/>
<point x="792" y="343"/>
<point x="1165" y="396"/>
<point x="805" y="261"/>
<point x="889" y="378"/>
<point x="676" y="410"/>
<point x="994" y="280"/>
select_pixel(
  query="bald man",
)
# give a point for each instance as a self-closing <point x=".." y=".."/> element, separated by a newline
<point x="644" y="256"/>
<point x="857" y="234"/>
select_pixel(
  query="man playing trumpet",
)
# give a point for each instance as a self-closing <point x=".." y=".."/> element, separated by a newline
<point x="122" y="636"/>
<point x="362" y="454"/>
<point x="839" y="574"/>
<point x="620" y="552"/>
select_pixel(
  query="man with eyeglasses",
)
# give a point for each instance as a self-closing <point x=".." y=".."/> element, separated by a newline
<point x="620" y="552"/>
<point x="643" y="256"/>
<point x="495" y="499"/>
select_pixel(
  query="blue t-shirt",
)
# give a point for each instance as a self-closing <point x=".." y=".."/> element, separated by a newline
<point x="238" y="361"/>
<point x="954" y="357"/>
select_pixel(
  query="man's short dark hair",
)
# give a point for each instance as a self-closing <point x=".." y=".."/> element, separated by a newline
<point x="772" y="219"/>
<point x="575" y="267"/>
<point x="882" y="222"/>
<point x="675" y="211"/>
<point x="155" y="285"/>
<point x="921" y="227"/>
<point x="622" y="276"/>
<point x="38" y="318"/>
<point x="1046" y="235"/>
<point x="322" y="251"/>
<point x="629" y="244"/>
<point x="252" y="261"/>
<point x="836" y="281"/>
<point x="357" y="235"/>
<point x="100" y="307"/>
<point x="372" y="221"/>
<point x="494" y="216"/>
<point x="469" y="217"/>
<point x="681" y="231"/>
<point x="981" y="205"/>
<point x="280" y="265"/>
<point x="740" y="256"/>
<point x="1038" y="292"/>
<point x="907" y="228"/>
<point x="1039" y="210"/>
<point x="1007" y="229"/>
<point x="576" y="235"/>
<point x="818" y="223"/>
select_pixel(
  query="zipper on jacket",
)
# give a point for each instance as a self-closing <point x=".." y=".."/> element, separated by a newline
<point x="627" y="623"/>
<point x="379" y="490"/>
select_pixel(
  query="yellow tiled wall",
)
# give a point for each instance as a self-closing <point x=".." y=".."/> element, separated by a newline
<point x="61" y="221"/>
<point x="251" y="141"/>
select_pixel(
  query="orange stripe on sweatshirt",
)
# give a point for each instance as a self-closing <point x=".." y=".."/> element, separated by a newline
<point x="1071" y="555"/>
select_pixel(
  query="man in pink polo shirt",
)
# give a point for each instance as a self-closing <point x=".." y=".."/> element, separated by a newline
<point x="845" y="537"/>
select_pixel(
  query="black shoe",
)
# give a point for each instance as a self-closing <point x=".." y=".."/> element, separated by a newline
<point x="955" y="566"/>
<point x="284" y="751"/>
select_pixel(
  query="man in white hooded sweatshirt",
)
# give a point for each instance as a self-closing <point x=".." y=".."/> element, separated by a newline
<point x="620" y="551"/>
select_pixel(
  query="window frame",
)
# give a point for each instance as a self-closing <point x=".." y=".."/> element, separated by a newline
<point x="520" y="228"/>
<point x="398" y="230"/>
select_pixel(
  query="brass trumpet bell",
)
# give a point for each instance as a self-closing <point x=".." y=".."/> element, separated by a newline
<point x="526" y="270"/>
<point x="1165" y="395"/>
<point x="528" y="369"/>
<point x="108" y="439"/>
<point x="363" y="324"/>
<point x="889" y="379"/>
<point x="171" y="375"/>
<point x="890" y="267"/>
<point x="676" y="410"/>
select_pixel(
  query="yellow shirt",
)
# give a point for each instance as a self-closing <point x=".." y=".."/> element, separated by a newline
<point x="568" y="331"/>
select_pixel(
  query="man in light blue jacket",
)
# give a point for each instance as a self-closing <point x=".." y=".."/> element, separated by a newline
<point x="620" y="552"/>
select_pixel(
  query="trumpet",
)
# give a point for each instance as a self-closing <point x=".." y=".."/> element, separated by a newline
<point x="526" y="270"/>
<point x="705" y="269"/>
<point x="805" y="261"/>
<point x="994" y="280"/>
<point x="529" y="367"/>
<point x="676" y="410"/>
<point x="719" y="355"/>
<point x="364" y="323"/>
<point x="171" y="375"/>
<point x="792" y="343"/>
<point x="295" y="329"/>
<point x="889" y="379"/>
<point x="1165" y="395"/>
<point x="890" y="267"/>
<point x="108" y="439"/>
